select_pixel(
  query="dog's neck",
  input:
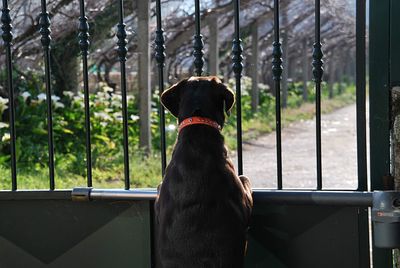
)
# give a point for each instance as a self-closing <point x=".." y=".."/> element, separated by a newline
<point x="200" y="142"/>
<point x="197" y="120"/>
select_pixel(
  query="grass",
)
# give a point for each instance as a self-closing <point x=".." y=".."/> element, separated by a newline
<point x="146" y="171"/>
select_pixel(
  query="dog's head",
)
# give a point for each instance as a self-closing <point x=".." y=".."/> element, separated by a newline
<point x="199" y="96"/>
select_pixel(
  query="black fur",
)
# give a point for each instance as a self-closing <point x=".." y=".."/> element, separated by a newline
<point x="203" y="207"/>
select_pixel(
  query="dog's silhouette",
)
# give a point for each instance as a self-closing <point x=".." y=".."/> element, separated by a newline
<point x="203" y="208"/>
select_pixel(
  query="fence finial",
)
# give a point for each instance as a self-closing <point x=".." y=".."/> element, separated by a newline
<point x="198" y="43"/>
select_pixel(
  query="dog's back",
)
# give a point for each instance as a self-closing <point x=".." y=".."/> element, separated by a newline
<point x="203" y="207"/>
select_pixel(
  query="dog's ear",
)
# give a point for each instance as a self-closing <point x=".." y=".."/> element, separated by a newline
<point x="170" y="97"/>
<point x="229" y="98"/>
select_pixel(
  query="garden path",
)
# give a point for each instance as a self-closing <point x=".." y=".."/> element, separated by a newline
<point x="339" y="154"/>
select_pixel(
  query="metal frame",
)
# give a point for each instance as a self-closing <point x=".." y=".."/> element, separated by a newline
<point x="379" y="94"/>
<point x="237" y="67"/>
<point x="281" y="197"/>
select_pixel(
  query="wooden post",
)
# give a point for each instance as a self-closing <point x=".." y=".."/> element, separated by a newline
<point x="213" y="53"/>
<point x="254" y="68"/>
<point x="144" y="72"/>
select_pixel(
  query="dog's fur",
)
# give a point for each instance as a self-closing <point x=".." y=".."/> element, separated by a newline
<point x="203" y="207"/>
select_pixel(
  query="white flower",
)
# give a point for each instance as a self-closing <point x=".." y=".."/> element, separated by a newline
<point x="134" y="117"/>
<point x="107" y="89"/>
<point x="55" y="98"/>
<point x="116" y="97"/>
<point x="171" y="127"/>
<point x="69" y="94"/>
<point x="104" y="87"/>
<point x="103" y="116"/>
<point x="6" y="137"/>
<point x="3" y="104"/>
<point x="116" y="103"/>
<point x="3" y="100"/>
<point x="41" y="97"/>
<point x="101" y="95"/>
<point x="59" y="105"/>
<point x="25" y="95"/>
<point x="3" y="125"/>
<point x="78" y="98"/>
<point x="103" y="124"/>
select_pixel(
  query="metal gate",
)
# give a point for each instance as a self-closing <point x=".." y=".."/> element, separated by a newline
<point x="315" y="228"/>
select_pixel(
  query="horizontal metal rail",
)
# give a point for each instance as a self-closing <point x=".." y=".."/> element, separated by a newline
<point x="279" y="197"/>
<point x="322" y="198"/>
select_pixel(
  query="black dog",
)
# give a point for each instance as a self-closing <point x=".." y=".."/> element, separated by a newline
<point x="203" y="207"/>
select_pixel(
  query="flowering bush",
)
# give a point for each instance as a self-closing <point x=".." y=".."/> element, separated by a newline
<point x="69" y="129"/>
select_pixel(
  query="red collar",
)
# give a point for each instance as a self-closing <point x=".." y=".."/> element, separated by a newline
<point x="197" y="120"/>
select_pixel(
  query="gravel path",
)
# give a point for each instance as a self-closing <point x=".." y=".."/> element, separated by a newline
<point x="339" y="154"/>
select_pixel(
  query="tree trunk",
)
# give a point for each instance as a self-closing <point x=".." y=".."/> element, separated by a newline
<point x="65" y="59"/>
<point x="339" y="77"/>
<point x="65" y="64"/>
<point x="285" y="48"/>
<point x="330" y="77"/>
<point x="305" y="70"/>
<point x="144" y="72"/>
<point x="226" y="73"/>
<point x="254" y="68"/>
<point x="213" y="55"/>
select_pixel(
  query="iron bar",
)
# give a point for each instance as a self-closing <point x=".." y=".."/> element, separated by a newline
<point x="7" y="39"/>
<point x="160" y="58"/>
<point x="360" y="95"/>
<point x="237" y="67"/>
<point x="318" y="72"/>
<point x="277" y="77"/>
<point x="84" y="44"/>
<point x="122" y="51"/>
<point x="280" y="197"/>
<point x="44" y="22"/>
<point x="198" y="43"/>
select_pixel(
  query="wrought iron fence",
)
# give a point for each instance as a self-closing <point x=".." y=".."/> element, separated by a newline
<point x="237" y="67"/>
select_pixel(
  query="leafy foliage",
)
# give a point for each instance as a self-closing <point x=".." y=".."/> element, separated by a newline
<point x="106" y="132"/>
